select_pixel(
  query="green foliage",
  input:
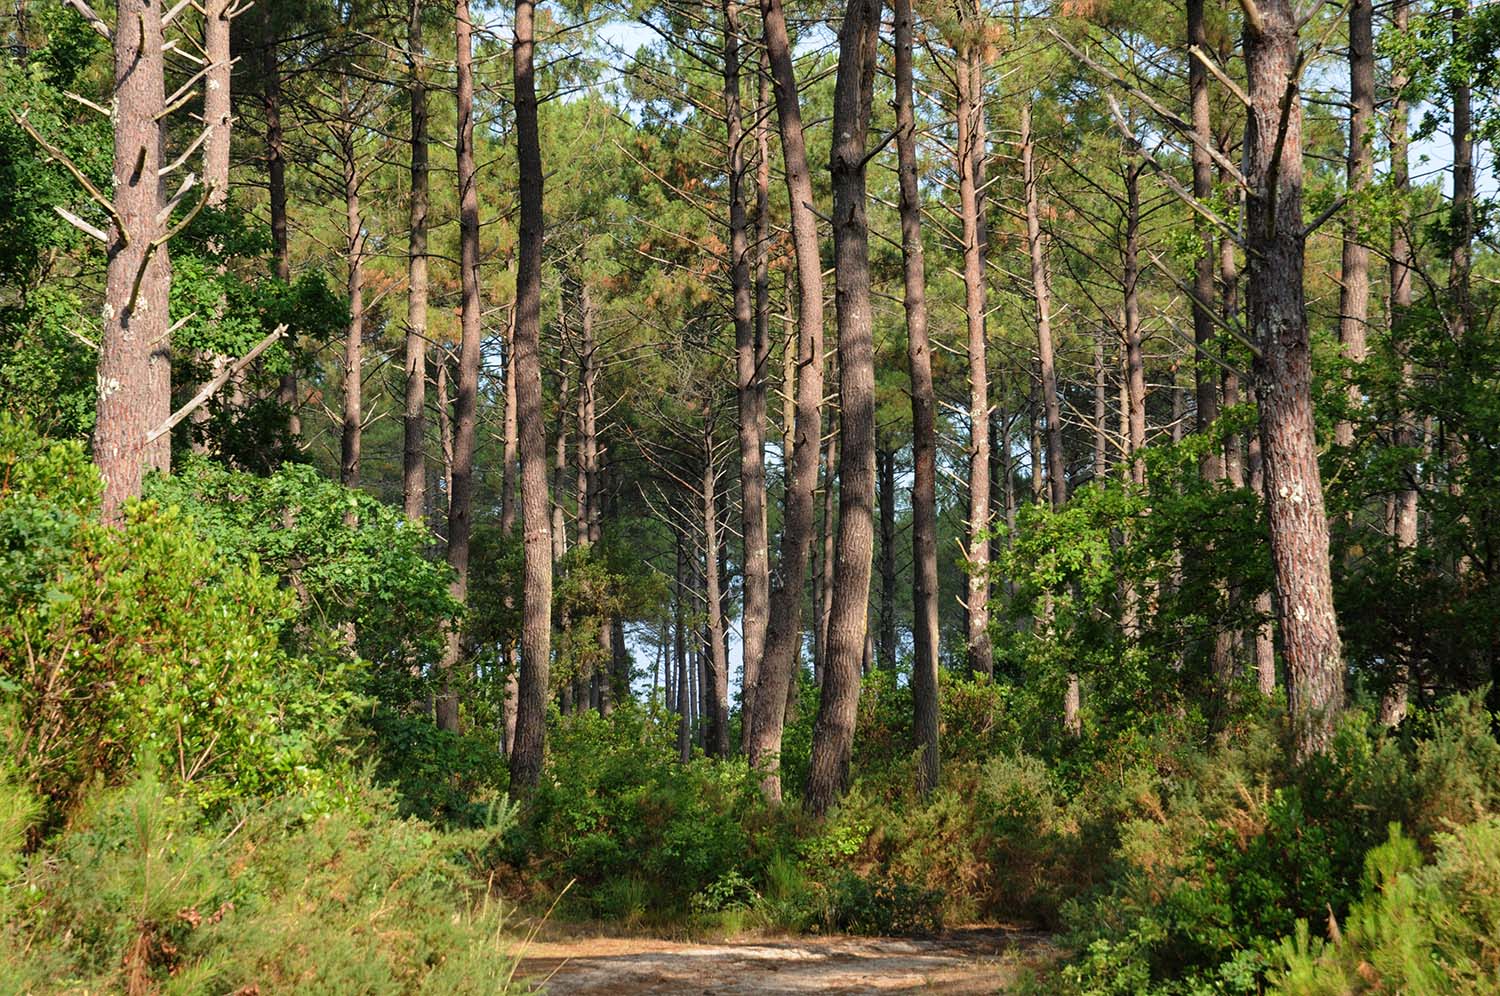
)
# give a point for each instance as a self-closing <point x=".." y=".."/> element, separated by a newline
<point x="351" y="560"/>
<point x="1221" y="866"/>
<point x="140" y="894"/>
<point x="619" y="808"/>
<point x="449" y="778"/>
<point x="1418" y="929"/>
<point x="857" y="905"/>
<point x="1115" y="552"/>
<point x="145" y="641"/>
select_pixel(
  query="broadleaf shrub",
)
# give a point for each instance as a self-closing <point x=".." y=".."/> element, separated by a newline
<point x="145" y="641"/>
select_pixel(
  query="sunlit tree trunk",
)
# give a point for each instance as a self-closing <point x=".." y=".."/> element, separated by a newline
<point x="137" y="275"/>
<point x="750" y="352"/>
<point x="784" y="635"/>
<point x="885" y="644"/>
<point x="924" y="420"/>
<point x="970" y="150"/>
<point x="1354" y="270"/>
<point x="354" y="246"/>
<point x="466" y="396"/>
<point x="823" y="555"/>
<point x="715" y="659"/>
<point x="1204" y="384"/>
<point x="217" y="117"/>
<point x="414" y="461"/>
<point x="1393" y="703"/>
<point x="1277" y="319"/>
<point x="848" y="623"/>
<point x="536" y="626"/>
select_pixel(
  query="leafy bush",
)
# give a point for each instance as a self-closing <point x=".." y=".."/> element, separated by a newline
<point x="449" y="778"/>
<point x="854" y="904"/>
<point x="119" y="644"/>
<point x="617" y="807"/>
<point x="354" y="563"/>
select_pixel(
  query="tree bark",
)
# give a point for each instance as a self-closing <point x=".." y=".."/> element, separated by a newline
<point x="560" y="444"/>
<point x="414" y="462"/>
<point x="784" y="634"/>
<point x="1101" y="407"/>
<point x="536" y="626"/>
<point x="1462" y="220"/>
<point x="286" y="391"/>
<point x="848" y="625"/>
<point x="683" y="698"/>
<point x="716" y="659"/>
<point x="466" y="394"/>
<point x="354" y="243"/>
<point x="1135" y="364"/>
<point x="1263" y="638"/>
<point x="750" y="351"/>
<point x="1393" y="702"/>
<point x="1283" y="369"/>
<point x="217" y="115"/>
<point x="1229" y="308"/>
<point x="885" y="645"/>
<point x="510" y="431"/>
<point x="590" y="487"/>
<point x="138" y="276"/>
<point x="1205" y="396"/>
<point x="1057" y="479"/>
<point x="1354" y="270"/>
<point x="971" y="152"/>
<point x="824" y="554"/>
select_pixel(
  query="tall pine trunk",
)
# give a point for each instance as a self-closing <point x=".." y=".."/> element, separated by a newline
<point x="1277" y="320"/>
<point x="1393" y="702"/>
<point x="885" y="643"/>
<point x="971" y="151"/>
<point x="352" y="436"/>
<point x="1354" y="269"/>
<point x="924" y="675"/>
<point x="784" y="634"/>
<point x="716" y="658"/>
<point x="466" y="394"/>
<point x="749" y="336"/>
<point x="414" y="462"/>
<point x="137" y="275"/>
<point x="1204" y="380"/>
<point x="536" y="624"/>
<point x="848" y="623"/>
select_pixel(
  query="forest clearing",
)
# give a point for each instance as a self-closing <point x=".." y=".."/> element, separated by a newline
<point x="701" y="496"/>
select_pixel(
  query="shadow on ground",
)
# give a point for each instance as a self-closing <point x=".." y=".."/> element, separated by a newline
<point x="965" y="962"/>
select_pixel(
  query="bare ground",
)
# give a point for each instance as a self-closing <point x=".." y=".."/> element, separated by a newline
<point x="966" y="962"/>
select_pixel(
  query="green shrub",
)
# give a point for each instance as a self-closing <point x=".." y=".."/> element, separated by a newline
<point x="140" y="894"/>
<point x="1430" y="930"/>
<point x="145" y="641"/>
<point x="1244" y="851"/>
<point x="448" y="778"/>
<point x="878" y="905"/>
<point x="616" y="807"/>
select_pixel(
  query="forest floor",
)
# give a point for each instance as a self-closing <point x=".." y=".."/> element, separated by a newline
<point x="963" y="962"/>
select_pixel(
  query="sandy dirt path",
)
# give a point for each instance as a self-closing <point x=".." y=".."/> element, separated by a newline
<point x="957" y="963"/>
